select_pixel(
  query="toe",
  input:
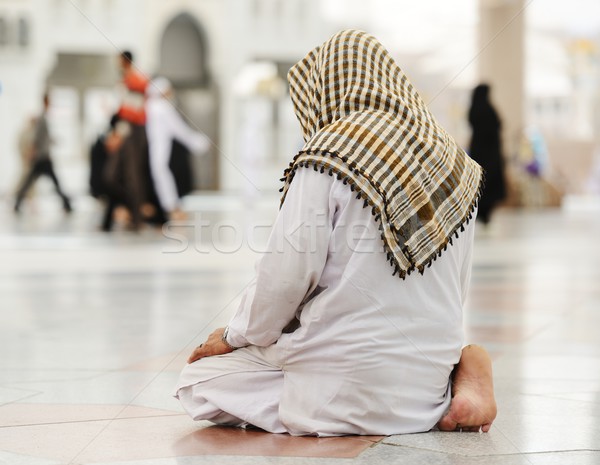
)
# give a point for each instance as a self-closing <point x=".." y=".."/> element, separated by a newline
<point x="447" y="423"/>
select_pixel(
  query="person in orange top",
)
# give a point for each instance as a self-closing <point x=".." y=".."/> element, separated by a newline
<point x="132" y="162"/>
<point x="134" y="90"/>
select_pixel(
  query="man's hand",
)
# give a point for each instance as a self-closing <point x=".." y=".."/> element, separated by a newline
<point x="113" y="142"/>
<point x="214" y="345"/>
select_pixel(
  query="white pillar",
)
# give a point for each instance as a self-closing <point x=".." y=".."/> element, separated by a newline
<point x="501" y="42"/>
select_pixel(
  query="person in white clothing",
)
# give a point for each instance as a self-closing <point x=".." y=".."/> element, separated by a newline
<point x="353" y="324"/>
<point x="163" y="125"/>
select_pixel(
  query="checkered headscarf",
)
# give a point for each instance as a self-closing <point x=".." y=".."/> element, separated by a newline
<point x="364" y="122"/>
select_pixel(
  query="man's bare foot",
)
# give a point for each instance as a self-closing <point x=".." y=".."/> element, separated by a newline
<point x="473" y="406"/>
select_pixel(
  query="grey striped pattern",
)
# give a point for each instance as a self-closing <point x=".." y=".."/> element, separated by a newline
<point x="363" y="122"/>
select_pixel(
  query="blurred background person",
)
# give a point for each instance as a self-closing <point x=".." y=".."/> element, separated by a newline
<point x="106" y="145"/>
<point x="132" y="89"/>
<point x="106" y="180"/>
<point x="485" y="149"/>
<point x="133" y="155"/>
<point x="164" y="126"/>
<point x="41" y="163"/>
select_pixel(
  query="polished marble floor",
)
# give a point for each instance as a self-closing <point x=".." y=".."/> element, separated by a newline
<point x="94" y="329"/>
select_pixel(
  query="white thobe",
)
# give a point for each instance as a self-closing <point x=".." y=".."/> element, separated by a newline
<point x="370" y="353"/>
<point x="163" y="125"/>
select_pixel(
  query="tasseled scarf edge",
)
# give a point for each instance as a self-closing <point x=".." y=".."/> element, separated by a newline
<point x="290" y="171"/>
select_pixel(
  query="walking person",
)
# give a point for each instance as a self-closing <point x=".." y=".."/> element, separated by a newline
<point x="41" y="161"/>
<point x="131" y="162"/>
<point x="164" y="126"/>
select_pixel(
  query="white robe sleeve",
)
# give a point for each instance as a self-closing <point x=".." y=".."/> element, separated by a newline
<point x="194" y="140"/>
<point x="292" y="265"/>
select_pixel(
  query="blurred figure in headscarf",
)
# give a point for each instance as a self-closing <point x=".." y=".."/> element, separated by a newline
<point x="486" y="150"/>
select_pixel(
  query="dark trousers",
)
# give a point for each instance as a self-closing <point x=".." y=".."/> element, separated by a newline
<point x="126" y="177"/>
<point x="39" y="168"/>
<point x="119" y="195"/>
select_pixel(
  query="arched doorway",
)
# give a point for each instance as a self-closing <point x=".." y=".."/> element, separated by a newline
<point x="184" y="49"/>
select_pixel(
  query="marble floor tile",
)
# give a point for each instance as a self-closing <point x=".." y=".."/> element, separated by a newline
<point x="166" y="436"/>
<point x="513" y="434"/>
<point x="57" y="441"/>
<point x="22" y="414"/>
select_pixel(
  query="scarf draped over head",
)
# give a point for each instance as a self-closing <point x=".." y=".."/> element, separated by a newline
<point x="363" y="122"/>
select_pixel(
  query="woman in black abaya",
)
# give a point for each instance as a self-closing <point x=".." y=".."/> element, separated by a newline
<point x="485" y="149"/>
